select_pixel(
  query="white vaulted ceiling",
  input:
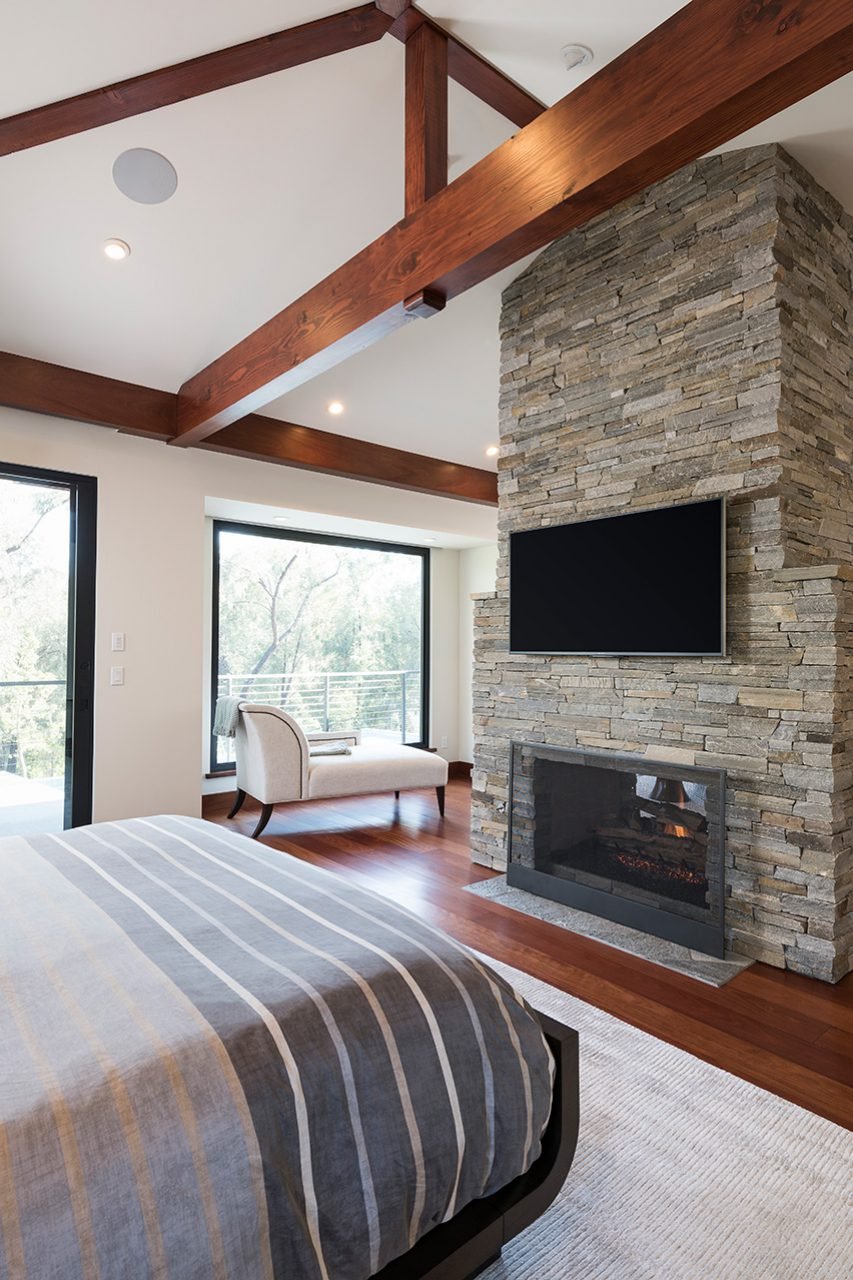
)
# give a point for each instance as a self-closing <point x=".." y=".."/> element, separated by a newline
<point x="280" y="181"/>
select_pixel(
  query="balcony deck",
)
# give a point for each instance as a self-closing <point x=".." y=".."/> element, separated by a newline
<point x="30" y="804"/>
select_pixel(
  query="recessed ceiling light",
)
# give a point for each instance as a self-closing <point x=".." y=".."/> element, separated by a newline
<point x="492" y="451"/>
<point x="336" y="407"/>
<point x="116" y="250"/>
<point x="576" y="55"/>
<point x="145" y="176"/>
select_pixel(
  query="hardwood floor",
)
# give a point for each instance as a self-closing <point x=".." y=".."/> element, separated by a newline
<point x="788" y="1034"/>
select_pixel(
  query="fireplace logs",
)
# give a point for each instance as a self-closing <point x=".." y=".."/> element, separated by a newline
<point x="657" y="827"/>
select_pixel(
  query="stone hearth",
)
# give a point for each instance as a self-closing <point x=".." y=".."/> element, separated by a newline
<point x="697" y="341"/>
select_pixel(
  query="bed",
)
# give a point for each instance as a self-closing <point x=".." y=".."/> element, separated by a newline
<point x="220" y="1062"/>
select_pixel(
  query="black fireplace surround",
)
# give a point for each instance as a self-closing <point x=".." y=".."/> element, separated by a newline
<point x="624" y="837"/>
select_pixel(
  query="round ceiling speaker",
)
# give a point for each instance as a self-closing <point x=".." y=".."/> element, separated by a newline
<point x="145" y="176"/>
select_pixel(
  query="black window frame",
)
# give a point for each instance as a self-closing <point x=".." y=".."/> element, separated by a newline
<point x="325" y="539"/>
<point x="82" y="582"/>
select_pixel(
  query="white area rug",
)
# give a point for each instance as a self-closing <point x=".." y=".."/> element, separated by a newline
<point x="684" y="1172"/>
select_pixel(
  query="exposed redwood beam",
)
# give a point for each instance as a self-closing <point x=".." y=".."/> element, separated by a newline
<point x="642" y="117"/>
<point x="426" y="302"/>
<point x="161" y="88"/>
<point x="407" y="23"/>
<point x="393" y="8"/>
<point x="311" y="450"/>
<point x="426" y="115"/>
<point x="474" y="73"/>
<point x="40" y="387"/>
<point x="479" y="77"/>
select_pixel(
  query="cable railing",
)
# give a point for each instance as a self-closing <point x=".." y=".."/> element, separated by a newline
<point x="381" y="702"/>
<point x="33" y="727"/>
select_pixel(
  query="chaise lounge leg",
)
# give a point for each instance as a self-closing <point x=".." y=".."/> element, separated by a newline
<point x="266" y="813"/>
<point x="396" y="795"/>
<point x="439" y="791"/>
<point x="238" y="803"/>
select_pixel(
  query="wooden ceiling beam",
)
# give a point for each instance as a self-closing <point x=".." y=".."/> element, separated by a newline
<point x="393" y="8"/>
<point x="309" y="449"/>
<point x="60" y="392"/>
<point x="426" y="115"/>
<point x="473" y="72"/>
<point x="638" y="120"/>
<point x="254" y="58"/>
<point x="40" y="387"/>
<point x="494" y="87"/>
<point x="261" y="57"/>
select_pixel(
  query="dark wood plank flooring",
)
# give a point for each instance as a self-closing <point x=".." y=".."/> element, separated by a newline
<point x="789" y="1034"/>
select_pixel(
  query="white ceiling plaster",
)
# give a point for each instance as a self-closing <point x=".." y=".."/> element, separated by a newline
<point x="443" y="534"/>
<point x="280" y="181"/>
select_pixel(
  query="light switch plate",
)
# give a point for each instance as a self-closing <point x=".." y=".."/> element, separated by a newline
<point x="118" y="642"/>
<point x="116" y="675"/>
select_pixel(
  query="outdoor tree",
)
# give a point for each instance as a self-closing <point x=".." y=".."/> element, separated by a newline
<point x="33" y="628"/>
<point x="332" y="633"/>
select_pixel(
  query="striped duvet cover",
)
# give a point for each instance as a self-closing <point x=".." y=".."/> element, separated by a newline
<point x="219" y="1062"/>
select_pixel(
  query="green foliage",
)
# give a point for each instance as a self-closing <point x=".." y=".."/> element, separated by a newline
<point x="33" y="627"/>
<point x="290" y="608"/>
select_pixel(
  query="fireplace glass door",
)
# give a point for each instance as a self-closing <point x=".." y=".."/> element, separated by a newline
<point x="624" y="837"/>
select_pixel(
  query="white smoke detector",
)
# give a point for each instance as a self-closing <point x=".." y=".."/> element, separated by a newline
<point x="576" y="55"/>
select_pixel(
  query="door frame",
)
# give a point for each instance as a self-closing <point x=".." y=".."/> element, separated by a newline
<point x="80" y="705"/>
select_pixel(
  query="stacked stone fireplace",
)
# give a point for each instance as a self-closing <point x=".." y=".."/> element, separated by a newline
<point x="696" y="342"/>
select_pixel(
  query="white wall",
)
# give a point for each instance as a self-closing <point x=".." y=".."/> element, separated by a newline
<point x="444" y="653"/>
<point x="477" y="572"/>
<point x="151" y="584"/>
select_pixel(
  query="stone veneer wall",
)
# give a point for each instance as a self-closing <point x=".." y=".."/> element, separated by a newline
<point x="696" y="341"/>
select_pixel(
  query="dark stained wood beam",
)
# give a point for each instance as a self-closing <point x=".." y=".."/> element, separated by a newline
<point x="161" y="88"/>
<point x="474" y="73"/>
<point x="308" y="449"/>
<point x="639" y="119"/>
<point x="424" y="303"/>
<point x="495" y="88"/>
<point x="426" y="115"/>
<point x="393" y="8"/>
<point x="407" y="23"/>
<point x="39" y="387"/>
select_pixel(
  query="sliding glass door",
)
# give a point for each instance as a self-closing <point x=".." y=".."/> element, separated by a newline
<point x="47" y="604"/>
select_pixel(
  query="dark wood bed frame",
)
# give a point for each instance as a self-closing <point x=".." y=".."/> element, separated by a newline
<point x="470" y="1242"/>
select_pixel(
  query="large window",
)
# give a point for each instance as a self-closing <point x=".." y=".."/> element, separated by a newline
<point x="332" y="630"/>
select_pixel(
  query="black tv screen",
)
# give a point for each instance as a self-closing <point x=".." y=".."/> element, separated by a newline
<point x="648" y="582"/>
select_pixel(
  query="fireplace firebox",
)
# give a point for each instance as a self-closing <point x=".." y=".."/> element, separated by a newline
<point x="623" y="837"/>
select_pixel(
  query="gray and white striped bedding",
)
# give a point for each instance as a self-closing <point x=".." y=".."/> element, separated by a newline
<point x="219" y="1062"/>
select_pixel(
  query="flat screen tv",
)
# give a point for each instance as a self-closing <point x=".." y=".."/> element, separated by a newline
<point x="645" y="583"/>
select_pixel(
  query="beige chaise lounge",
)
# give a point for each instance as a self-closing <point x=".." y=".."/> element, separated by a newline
<point x="275" y="764"/>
